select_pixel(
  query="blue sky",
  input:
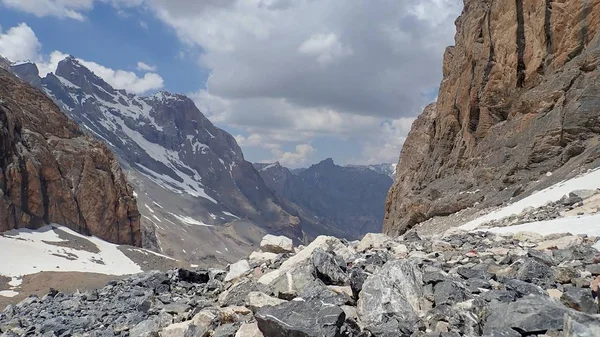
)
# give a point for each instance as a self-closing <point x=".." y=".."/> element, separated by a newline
<point x="297" y="93"/>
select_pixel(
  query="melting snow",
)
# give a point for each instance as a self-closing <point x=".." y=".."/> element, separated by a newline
<point x="28" y="252"/>
<point x="150" y="209"/>
<point x="8" y="293"/>
<point x="190" y="221"/>
<point x="232" y="215"/>
<point x="590" y="180"/>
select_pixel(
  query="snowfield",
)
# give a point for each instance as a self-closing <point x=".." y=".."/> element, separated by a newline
<point x="26" y="251"/>
<point x="590" y="180"/>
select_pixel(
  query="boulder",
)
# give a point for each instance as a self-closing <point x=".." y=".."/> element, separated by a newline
<point x="329" y="268"/>
<point x="301" y="319"/>
<point x="276" y="244"/>
<point x="260" y="257"/>
<point x="199" y="326"/>
<point x="395" y="290"/>
<point x="249" y="330"/>
<point x="256" y="300"/>
<point x="373" y="241"/>
<point x="561" y="243"/>
<point x="449" y="292"/>
<point x="317" y="290"/>
<point x="237" y="269"/>
<point x="580" y="299"/>
<point x="237" y="294"/>
<point x="297" y="261"/>
<point x="527" y="315"/>
<point x="579" y="325"/>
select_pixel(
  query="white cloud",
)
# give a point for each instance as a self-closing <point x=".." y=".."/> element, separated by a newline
<point x="297" y="158"/>
<point x="353" y="70"/>
<point x="66" y="9"/>
<point x="19" y="44"/>
<point x="71" y="9"/>
<point x="141" y="66"/>
<point x="326" y="47"/>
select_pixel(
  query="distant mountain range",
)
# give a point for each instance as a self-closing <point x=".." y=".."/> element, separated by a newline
<point x="200" y="200"/>
<point x="343" y="200"/>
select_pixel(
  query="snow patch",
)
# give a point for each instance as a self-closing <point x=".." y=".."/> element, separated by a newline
<point x="26" y="251"/>
<point x="8" y="293"/>
<point x="190" y="221"/>
<point x="590" y="180"/>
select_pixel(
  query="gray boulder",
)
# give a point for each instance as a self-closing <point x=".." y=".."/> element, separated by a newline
<point x="329" y="268"/>
<point x="449" y="292"/>
<point x="394" y="291"/>
<point x="527" y="315"/>
<point x="301" y="319"/>
<point x="580" y="299"/>
<point x="580" y="325"/>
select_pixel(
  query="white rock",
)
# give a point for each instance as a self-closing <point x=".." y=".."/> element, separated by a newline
<point x="441" y="246"/>
<point x="561" y="243"/>
<point x="528" y="236"/>
<point x="260" y="257"/>
<point x="256" y="300"/>
<point x="373" y="241"/>
<point x="276" y="244"/>
<point x="299" y="260"/>
<point x="399" y="251"/>
<point x="237" y="269"/>
<point x="198" y="326"/>
<point x="249" y="330"/>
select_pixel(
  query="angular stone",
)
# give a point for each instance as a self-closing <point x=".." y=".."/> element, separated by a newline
<point x="236" y="270"/>
<point x="329" y="269"/>
<point x="295" y="262"/>
<point x="236" y="295"/>
<point x="561" y="243"/>
<point x="199" y="276"/>
<point x="449" y="292"/>
<point x="395" y="290"/>
<point x="301" y="319"/>
<point x="256" y="300"/>
<point x="564" y="274"/>
<point x="260" y="257"/>
<point x="580" y="299"/>
<point x="357" y="279"/>
<point x="527" y="315"/>
<point x="276" y="244"/>
<point x="249" y="330"/>
<point x="227" y="330"/>
<point x="317" y="290"/>
<point x="534" y="271"/>
<point x="580" y="325"/>
<point x="373" y="241"/>
<point x="147" y="328"/>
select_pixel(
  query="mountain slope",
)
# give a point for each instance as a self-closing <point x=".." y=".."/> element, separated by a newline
<point x="345" y="201"/>
<point x="50" y="172"/>
<point x="519" y="99"/>
<point x="191" y="178"/>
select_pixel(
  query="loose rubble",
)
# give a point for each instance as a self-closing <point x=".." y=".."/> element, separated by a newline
<point x="459" y="284"/>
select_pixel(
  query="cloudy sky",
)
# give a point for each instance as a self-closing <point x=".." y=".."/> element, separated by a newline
<point x="294" y="80"/>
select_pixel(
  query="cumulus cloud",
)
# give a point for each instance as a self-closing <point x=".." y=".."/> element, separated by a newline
<point x="67" y="9"/>
<point x="21" y="43"/>
<point x="141" y="66"/>
<point x="357" y="69"/>
<point x="297" y="158"/>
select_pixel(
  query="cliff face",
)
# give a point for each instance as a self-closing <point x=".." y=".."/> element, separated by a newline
<point x="50" y="172"/>
<point x="520" y="97"/>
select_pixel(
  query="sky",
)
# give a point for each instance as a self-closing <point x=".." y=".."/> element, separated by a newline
<point x="295" y="81"/>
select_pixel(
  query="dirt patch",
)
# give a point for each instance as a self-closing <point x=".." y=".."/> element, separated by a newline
<point x="4" y="283"/>
<point x="67" y="282"/>
<point x="75" y="242"/>
<point x="148" y="261"/>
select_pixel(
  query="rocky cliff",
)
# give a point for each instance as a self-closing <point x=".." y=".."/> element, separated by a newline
<point x="519" y="99"/>
<point x="199" y="198"/>
<point x="50" y="172"/>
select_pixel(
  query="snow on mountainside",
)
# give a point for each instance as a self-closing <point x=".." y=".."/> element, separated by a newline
<point x="386" y="168"/>
<point x="200" y="200"/>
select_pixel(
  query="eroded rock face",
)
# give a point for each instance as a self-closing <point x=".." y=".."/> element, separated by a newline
<point x="519" y="98"/>
<point x="50" y="172"/>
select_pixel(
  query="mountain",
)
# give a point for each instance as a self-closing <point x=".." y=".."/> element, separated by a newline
<point x="385" y="168"/>
<point x="517" y="111"/>
<point x="51" y="172"/>
<point x="343" y="201"/>
<point x="199" y="199"/>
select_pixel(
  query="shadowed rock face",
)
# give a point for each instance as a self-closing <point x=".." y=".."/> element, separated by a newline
<point x="50" y="172"/>
<point x="519" y="98"/>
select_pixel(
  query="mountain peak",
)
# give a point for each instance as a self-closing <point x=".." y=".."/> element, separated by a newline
<point x="71" y="69"/>
<point x="326" y="163"/>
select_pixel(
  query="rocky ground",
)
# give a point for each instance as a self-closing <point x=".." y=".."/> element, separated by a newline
<point x="458" y="284"/>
